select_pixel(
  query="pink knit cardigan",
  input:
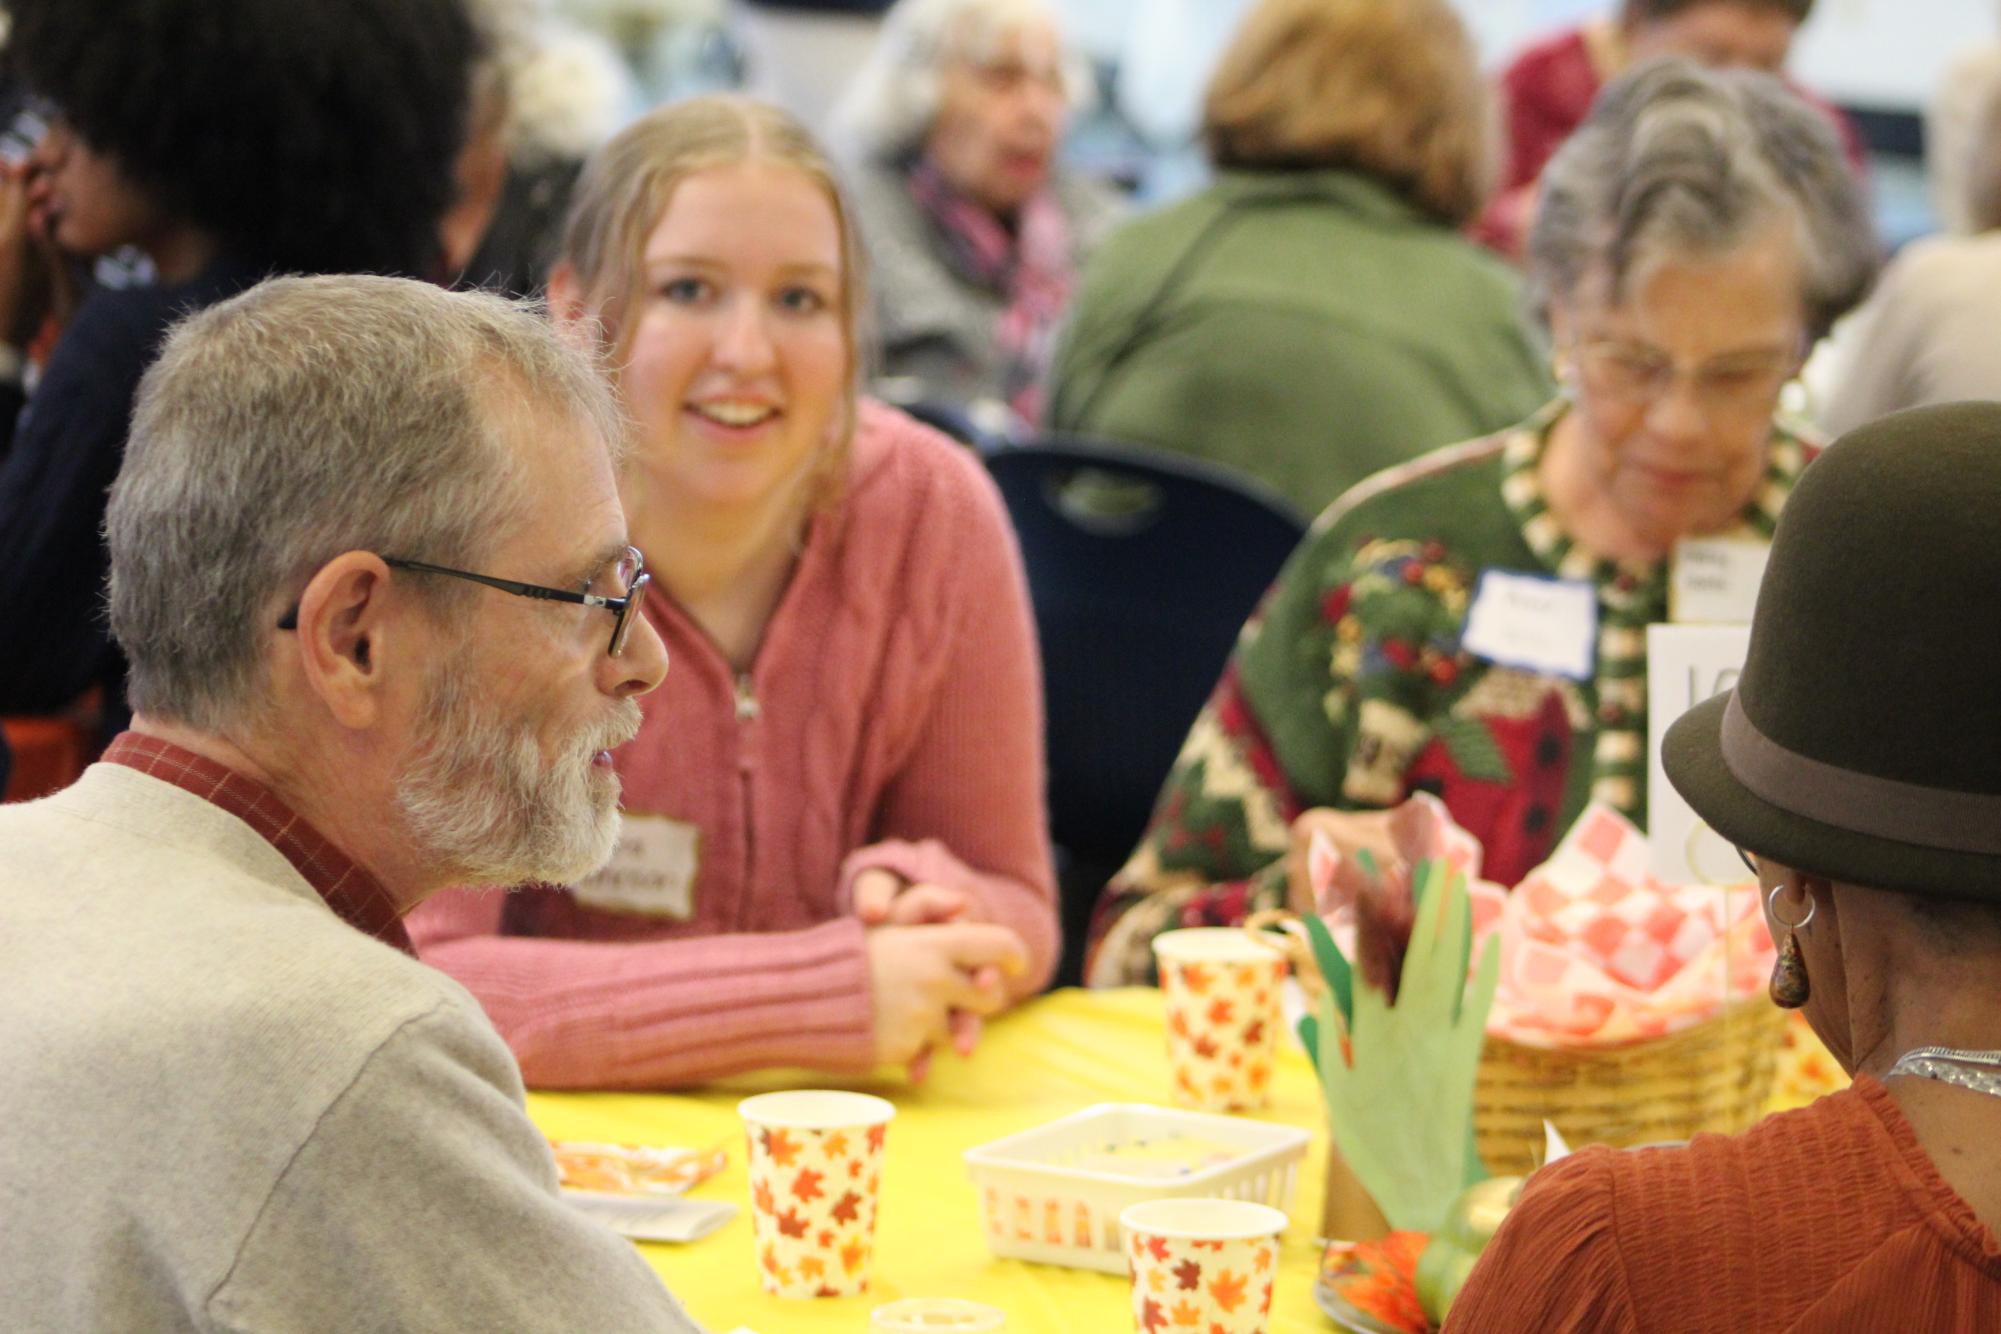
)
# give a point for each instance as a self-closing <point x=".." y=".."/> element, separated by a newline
<point x="892" y="718"/>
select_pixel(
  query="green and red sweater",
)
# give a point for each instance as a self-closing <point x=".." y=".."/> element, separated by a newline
<point x="1349" y="688"/>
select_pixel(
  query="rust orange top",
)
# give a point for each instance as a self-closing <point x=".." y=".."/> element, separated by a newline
<point x="1827" y="1219"/>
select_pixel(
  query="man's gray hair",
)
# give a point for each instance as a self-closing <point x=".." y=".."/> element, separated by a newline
<point x="893" y="98"/>
<point x="1681" y="161"/>
<point x="308" y="417"/>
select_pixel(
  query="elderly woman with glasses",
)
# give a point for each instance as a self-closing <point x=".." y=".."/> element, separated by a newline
<point x="975" y="233"/>
<point x="1473" y="624"/>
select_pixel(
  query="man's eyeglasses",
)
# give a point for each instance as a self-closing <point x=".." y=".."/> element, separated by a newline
<point x="1745" y="858"/>
<point x="627" y="572"/>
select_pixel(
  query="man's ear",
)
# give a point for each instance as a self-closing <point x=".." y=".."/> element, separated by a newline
<point x="346" y="629"/>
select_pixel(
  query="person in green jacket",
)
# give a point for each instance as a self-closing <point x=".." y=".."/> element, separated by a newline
<point x="1313" y="316"/>
<point x="1473" y="624"/>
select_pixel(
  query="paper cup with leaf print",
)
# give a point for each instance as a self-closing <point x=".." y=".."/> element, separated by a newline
<point x="815" y="1172"/>
<point x="1202" y="1264"/>
<point x="1221" y="989"/>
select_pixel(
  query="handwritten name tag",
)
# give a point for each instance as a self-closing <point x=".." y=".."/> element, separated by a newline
<point x="652" y="871"/>
<point x="1687" y="664"/>
<point x="1539" y="624"/>
<point x="1714" y="580"/>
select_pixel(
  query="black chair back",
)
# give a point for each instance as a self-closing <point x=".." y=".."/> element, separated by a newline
<point x="1142" y="567"/>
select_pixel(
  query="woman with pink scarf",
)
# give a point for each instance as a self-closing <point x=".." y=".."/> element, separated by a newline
<point x="974" y="233"/>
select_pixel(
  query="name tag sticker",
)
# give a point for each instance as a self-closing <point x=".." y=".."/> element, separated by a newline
<point x="652" y="871"/>
<point x="1714" y="580"/>
<point x="1543" y="625"/>
<point x="1687" y="664"/>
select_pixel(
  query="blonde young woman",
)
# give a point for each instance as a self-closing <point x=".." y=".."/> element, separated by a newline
<point x="835" y="851"/>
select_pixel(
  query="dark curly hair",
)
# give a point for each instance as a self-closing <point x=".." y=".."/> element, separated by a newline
<point x="304" y="135"/>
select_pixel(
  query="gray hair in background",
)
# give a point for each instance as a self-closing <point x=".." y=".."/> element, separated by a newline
<point x="893" y="99"/>
<point x="305" y="418"/>
<point x="1680" y="161"/>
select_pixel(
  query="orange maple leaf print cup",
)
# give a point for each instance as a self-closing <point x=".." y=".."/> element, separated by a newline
<point x="815" y="1172"/>
<point x="1202" y="1264"/>
<point x="1221" y="989"/>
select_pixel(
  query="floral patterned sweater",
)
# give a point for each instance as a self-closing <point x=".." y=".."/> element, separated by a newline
<point x="1350" y="688"/>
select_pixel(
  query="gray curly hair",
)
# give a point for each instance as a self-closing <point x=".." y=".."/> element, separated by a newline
<point x="889" y="107"/>
<point x="1677" y="159"/>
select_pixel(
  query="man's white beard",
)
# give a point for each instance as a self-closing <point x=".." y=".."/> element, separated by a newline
<point x="479" y="796"/>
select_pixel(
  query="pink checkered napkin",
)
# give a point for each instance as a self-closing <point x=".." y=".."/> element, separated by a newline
<point x="1596" y="952"/>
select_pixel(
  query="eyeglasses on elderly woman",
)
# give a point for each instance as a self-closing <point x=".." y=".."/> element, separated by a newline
<point x="1636" y="373"/>
<point x="628" y="572"/>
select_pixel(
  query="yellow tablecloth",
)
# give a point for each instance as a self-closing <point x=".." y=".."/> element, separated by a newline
<point x="1049" y="1058"/>
<point x="1054" y="1055"/>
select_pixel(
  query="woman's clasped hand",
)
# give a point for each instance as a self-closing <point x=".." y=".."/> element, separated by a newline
<point x="935" y="972"/>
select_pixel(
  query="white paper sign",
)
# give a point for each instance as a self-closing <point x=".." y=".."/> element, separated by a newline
<point x="652" y="871"/>
<point x="1687" y="664"/>
<point x="1542" y="625"/>
<point x="1714" y="580"/>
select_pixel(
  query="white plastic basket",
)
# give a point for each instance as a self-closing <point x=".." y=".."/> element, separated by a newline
<point x="1038" y="1202"/>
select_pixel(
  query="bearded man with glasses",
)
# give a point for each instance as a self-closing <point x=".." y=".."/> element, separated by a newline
<point x="234" y="1099"/>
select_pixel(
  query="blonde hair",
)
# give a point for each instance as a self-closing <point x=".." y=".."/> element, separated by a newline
<point x="1390" y="88"/>
<point x="624" y="191"/>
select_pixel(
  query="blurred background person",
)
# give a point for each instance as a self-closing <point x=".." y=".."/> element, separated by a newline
<point x="1548" y="89"/>
<point x="1927" y="335"/>
<point x="835" y="851"/>
<point x="1860" y="786"/>
<point x="225" y="139"/>
<point x="1313" y="316"/>
<point x="545" y="94"/>
<point x="1692" y="240"/>
<point x="1956" y="133"/>
<point x="975" y="231"/>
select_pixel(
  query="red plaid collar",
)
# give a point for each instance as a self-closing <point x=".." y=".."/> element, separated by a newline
<point x="355" y="896"/>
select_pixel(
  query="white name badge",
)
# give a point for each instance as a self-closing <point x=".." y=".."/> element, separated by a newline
<point x="652" y="871"/>
<point x="1687" y="664"/>
<point x="1714" y="580"/>
<point x="1543" y="625"/>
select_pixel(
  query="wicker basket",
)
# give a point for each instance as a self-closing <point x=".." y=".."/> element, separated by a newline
<point x="1714" y="1076"/>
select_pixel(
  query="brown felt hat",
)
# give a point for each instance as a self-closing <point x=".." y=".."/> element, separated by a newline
<point x="1863" y="741"/>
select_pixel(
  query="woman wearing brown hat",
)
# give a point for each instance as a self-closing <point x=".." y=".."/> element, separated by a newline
<point x="1858" y="763"/>
<point x="1473" y="624"/>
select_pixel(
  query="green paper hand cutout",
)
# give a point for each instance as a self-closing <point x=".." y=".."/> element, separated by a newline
<point x="1401" y="1107"/>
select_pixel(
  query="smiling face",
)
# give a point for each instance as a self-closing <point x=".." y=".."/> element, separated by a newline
<point x="1723" y="35"/>
<point x="737" y="359"/>
<point x="1675" y="386"/>
<point x="1000" y="117"/>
